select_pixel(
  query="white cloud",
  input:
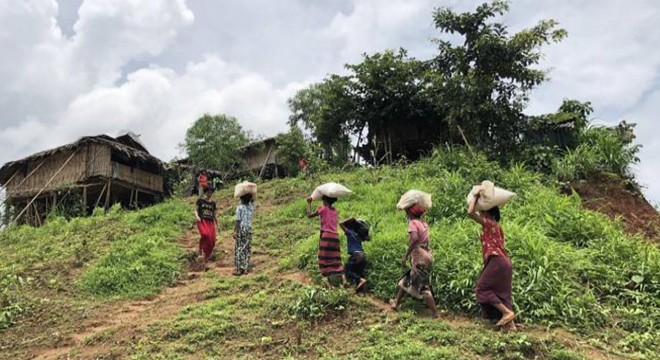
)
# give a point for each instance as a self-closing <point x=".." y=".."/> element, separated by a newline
<point x="154" y="66"/>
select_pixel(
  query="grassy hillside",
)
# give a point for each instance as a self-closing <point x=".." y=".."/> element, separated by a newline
<point x="93" y="288"/>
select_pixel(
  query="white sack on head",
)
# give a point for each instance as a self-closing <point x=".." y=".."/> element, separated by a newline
<point x="330" y="189"/>
<point x="490" y="196"/>
<point x="245" y="188"/>
<point x="412" y="197"/>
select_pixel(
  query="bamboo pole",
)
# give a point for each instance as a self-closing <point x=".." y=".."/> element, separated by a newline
<point x="266" y="161"/>
<point x="100" y="196"/>
<point x="465" y="139"/>
<point x="107" y="195"/>
<point x="10" y="179"/>
<point x="30" y="174"/>
<point x="36" y="213"/>
<point x="46" y="185"/>
<point x="85" y="198"/>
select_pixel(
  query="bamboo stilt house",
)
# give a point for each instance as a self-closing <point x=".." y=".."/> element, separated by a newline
<point x="261" y="160"/>
<point x="95" y="171"/>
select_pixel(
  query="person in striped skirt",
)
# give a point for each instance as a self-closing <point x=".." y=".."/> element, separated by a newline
<point x="329" y="255"/>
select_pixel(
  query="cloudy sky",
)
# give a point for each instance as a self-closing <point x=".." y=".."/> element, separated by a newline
<point x="82" y="67"/>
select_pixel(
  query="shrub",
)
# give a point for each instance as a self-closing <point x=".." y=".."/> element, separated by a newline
<point x="571" y="266"/>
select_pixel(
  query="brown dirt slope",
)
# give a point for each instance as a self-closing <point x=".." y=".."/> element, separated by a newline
<point x="613" y="198"/>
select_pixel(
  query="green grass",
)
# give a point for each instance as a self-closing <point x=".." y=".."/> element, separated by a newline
<point x="55" y="276"/>
<point x="572" y="267"/>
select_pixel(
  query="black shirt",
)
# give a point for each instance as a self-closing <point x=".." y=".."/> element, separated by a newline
<point x="206" y="209"/>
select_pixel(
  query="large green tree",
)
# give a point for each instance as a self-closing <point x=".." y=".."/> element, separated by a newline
<point x="483" y="83"/>
<point x="475" y="89"/>
<point x="214" y="142"/>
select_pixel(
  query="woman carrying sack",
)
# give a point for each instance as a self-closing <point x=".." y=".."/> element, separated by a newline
<point x="493" y="289"/>
<point x="416" y="281"/>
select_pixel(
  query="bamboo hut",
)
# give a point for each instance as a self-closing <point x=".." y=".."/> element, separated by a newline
<point x="97" y="170"/>
<point x="260" y="159"/>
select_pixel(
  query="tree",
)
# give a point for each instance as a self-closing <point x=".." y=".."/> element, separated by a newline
<point x="483" y="84"/>
<point x="326" y="109"/>
<point x="214" y="142"/>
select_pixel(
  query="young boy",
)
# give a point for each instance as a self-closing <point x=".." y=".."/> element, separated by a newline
<point x="356" y="232"/>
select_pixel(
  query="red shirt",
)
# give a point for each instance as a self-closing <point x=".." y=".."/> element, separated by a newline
<point x="203" y="180"/>
<point x="492" y="240"/>
<point x="302" y="164"/>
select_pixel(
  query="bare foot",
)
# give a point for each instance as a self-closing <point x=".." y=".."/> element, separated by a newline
<point x="394" y="306"/>
<point x="237" y="272"/>
<point x="506" y="318"/>
<point x="510" y="327"/>
<point x="360" y="284"/>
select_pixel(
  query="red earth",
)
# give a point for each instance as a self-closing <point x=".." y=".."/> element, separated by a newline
<point x="613" y="198"/>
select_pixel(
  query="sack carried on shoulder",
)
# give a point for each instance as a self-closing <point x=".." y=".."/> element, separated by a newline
<point x="490" y="197"/>
<point x="330" y="189"/>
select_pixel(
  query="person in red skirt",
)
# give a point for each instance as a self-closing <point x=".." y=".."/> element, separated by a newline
<point x="329" y="255"/>
<point x="207" y="221"/>
<point x="493" y="290"/>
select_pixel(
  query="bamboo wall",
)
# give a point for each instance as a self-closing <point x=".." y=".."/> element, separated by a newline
<point x="75" y="170"/>
<point x="89" y="161"/>
<point x="255" y="159"/>
<point x="137" y="177"/>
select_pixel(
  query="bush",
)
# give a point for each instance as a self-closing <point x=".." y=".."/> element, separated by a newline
<point x="314" y="304"/>
<point x="571" y="266"/>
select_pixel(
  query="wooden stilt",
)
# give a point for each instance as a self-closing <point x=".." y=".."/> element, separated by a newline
<point x="85" y="198"/>
<point x="98" y="201"/>
<point x="137" y="193"/>
<point x="37" y="217"/>
<point x="107" y="196"/>
<point x="47" y="183"/>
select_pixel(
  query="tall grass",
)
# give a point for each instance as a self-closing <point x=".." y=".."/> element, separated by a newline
<point x="572" y="267"/>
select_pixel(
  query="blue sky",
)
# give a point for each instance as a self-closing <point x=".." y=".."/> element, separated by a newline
<point x="82" y="67"/>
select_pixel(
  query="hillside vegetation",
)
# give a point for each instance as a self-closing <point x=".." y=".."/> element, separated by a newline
<point x="583" y="287"/>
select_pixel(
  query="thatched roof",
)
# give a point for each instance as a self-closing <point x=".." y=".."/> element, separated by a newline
<point x="127" y="152"/>
<point x="259" y="143"/>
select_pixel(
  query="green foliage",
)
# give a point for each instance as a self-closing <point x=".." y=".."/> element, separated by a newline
<point x="601" y="150"/>
<point x="214" y="142"/>
<point x="142" y="263"/>
<point x="480" y="86"/>
<point x="313" y="304"/>
<point x="572" y="267"/>
<point x="293" y="146"/>
<point x="483" y="84"/>
<point x="10" y="301"/>
<point x="324" y="109"/>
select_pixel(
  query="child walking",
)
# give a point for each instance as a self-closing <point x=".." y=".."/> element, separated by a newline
<point x="205" y="212"/>
<point x="356" y="232"/>
<point x="329" y="255"/>
<point x="243" y="235"/>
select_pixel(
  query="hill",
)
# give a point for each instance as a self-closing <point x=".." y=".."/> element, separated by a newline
<point x="122" y="285"/>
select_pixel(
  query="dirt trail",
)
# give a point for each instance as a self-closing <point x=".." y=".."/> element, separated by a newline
<point x="120" y="323"/>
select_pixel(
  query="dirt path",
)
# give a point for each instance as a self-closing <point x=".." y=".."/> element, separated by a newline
<point x="123" y="322"/>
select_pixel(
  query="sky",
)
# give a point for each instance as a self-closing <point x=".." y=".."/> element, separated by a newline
<point x="72" y="68"/>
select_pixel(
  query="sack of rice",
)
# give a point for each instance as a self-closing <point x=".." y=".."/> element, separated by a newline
<point x="245" y="188"/>
<point x="330" y="189"/>
<point x="490" y="196"/>
<point x="412" y="197"/>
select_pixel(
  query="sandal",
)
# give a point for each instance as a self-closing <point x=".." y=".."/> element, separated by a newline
<point x="237" y="272"/>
